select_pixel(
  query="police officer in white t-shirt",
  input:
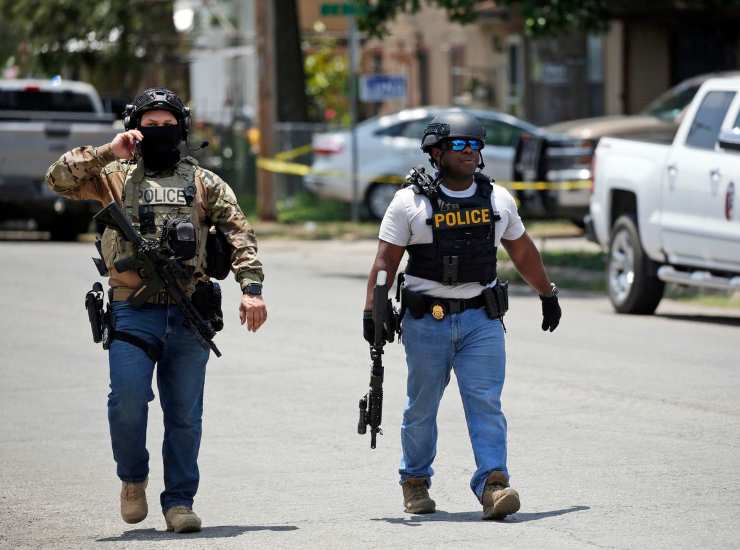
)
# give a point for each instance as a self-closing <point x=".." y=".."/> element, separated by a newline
<point x="453" y="305"/>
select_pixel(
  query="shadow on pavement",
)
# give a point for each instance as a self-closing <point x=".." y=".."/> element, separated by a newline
<point x="223" y="531"/>
<point x="462" y="517"/>
<point x="713" y="319"/>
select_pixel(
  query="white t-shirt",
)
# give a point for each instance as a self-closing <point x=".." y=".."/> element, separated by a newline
<point x="405" y="223"/>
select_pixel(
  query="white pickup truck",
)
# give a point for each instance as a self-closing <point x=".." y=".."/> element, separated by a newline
<point x="40" y="120"/>
<point x="667" y="213"/>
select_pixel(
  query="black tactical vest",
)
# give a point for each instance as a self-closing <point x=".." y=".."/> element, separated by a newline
<point x="463" y="249"/>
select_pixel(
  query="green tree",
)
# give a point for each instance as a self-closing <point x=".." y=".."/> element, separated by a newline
<point x="540" y="17"/>
<point x="118" y="45"/>
<point x="327" y="82"/>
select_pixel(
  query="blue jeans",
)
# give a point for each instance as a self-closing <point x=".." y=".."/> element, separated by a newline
<point x="473" y="345"/>
<point x="181" y="373"/>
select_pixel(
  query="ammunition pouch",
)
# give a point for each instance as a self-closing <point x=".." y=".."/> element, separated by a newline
<point x="497" y="300"/>
<point x="218" y="255"/>
<point x="207" y="300"/>
<point x="178" y="234"/>
<point x="414" y="303"/>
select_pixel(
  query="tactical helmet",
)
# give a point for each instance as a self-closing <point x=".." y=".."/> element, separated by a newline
<point x="454" y="124"/>
<point x="155" y="99"/>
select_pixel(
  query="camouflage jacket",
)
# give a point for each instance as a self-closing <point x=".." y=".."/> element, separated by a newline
<point x="94" y="173"/>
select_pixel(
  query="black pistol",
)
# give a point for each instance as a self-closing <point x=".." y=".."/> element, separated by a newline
<point x="371" y="404"/>
<point x="94" y="307"/>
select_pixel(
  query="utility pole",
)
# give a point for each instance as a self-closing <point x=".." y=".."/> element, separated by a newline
<point x="353" y="62"/>
<point x="267" y="111"/>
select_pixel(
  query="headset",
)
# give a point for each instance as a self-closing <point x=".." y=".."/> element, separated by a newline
<point x="157" y="98"/>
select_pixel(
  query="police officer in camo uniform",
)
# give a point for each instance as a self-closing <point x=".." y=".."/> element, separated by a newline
<point x="453" y="305"/>
<point x="143" y="171"/>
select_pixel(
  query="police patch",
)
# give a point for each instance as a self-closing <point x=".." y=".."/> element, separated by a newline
<point x="162" y="195"/>
<point x="465" y="217"/>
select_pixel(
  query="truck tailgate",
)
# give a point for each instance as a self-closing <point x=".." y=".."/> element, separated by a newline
<point x="28" y="148"/>
<point x="625" y="165"/>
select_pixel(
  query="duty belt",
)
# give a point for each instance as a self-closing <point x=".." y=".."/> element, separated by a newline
<point x="495" y="301"/>
<point x="161" y="298"/>
<point x="439" y="307"/>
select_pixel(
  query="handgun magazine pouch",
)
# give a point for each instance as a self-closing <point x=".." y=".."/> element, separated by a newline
<point x="497" y="300"/>
<point x="414" y="303"/>
<point x="463" y="247"/>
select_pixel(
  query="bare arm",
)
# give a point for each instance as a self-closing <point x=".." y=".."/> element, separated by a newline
<point x="528" y="263"/>
<point x="387" y="259"/>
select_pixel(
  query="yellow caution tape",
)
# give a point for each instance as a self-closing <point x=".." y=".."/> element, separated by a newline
<point x="294" y="153"/>
<point x="280" y="165"/>
<point x="283" y="167"/>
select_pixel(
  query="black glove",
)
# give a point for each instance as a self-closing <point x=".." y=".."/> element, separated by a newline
<point x="368" y="326"/>
<point x="550" y="312"/>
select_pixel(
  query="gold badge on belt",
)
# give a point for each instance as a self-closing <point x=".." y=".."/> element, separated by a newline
<point x="438" y="312"/>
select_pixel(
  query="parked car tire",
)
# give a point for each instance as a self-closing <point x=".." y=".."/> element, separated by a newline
<point x="631" y="281"/>
<point x="68" y="228"/>
<point x="378" y="197"/>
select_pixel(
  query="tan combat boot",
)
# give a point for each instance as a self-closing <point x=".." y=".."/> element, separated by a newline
<point x="182" y="519"/>
<point x="416" y="497"/>
<point x="133" y="501"/>
<point x="499" y="500"/>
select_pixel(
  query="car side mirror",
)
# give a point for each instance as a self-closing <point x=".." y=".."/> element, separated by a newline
<point x="730" y="140"/>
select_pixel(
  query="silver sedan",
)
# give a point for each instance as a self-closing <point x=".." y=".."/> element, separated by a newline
<point x="389" y="145"/>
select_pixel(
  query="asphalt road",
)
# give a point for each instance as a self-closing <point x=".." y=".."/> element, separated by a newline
<point x="624" y="431"/>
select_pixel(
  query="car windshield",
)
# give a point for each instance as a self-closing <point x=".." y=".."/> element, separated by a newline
<point x="22" y="100"/>
<point x="672" y="103"/>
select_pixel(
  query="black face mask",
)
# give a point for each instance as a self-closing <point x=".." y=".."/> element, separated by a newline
<point x="159" y="148"/>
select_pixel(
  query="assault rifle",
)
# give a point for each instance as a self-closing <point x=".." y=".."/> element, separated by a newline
<point x="384" y="319"/>
<point x="159" y="270"/>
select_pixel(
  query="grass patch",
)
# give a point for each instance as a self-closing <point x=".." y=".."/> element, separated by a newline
<point x="300" y="208"/>
<point x="552" y="228"/>
<point x="575" y="259"/>
<point x="703" y="296"/>
<point x="308" y="207"/>
<point x="316" y="231"/>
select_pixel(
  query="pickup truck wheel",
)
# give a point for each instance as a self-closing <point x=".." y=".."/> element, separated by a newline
<point x="68" y="228"/>
<point x="379" y="196"/>
<point x="633" y="286"/>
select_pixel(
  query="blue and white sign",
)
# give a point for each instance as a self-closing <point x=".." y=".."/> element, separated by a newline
<point x="382" y="87"/>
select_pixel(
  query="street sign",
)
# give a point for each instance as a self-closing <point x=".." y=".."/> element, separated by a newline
<point x="341" y="8"/>
<point x="382" y="87"/>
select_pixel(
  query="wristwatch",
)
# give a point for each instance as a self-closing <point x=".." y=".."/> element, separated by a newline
<point x="253" y="289"/>
<point x="554" y="291"/>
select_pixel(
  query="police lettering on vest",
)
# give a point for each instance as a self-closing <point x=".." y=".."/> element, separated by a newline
<point x="466" y="217"/>
<point x="162" y="196"/>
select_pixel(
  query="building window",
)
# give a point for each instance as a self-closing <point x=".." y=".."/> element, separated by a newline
<point x="457" y="70"/>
